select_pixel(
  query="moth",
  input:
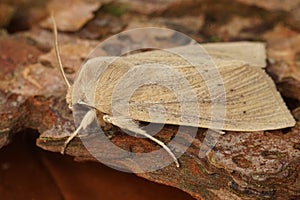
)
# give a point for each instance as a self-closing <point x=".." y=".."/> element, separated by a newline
<point x="246" y="95"/>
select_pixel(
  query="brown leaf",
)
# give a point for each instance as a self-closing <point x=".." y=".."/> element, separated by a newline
<point x="283" y="48"/>
<point x="71" y="15"/>
<point x="290" y="8"/>
<point x="294" y="18"/>
<point x="190" y="25"/>
<point x="237" y="28"/>
<point x="6" y="13"/>
<point x="283" y="43"/>
<point x="34" y="80"/>
<point x="72" y="55"/>
<point x="150" y="6"/>
<point x="15" y="52"/>
<point x="103" y="25"/>
<point x="273" y="5"/>
<point x="186" y="24"/>
<point x="44" y="39"/>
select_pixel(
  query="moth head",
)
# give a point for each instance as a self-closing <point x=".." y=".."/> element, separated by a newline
<point x="70" y="88"/>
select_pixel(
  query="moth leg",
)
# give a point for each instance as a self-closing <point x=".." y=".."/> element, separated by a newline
<point x="218" y="131"/>
<point x="70" y="138"/>
<point x="129" y="124"/>
<point x="87" y="120"/>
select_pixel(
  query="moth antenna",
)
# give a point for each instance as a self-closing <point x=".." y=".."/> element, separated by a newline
<point x="57" y="51"/>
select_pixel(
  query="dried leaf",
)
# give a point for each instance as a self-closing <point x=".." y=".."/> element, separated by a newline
<point x="151" y="6"/>
<point x="15" y="53"/>
<point x="273" y="5"/>
<point x="294" y="18"/>
<point x="283" y="43"/>
<point x="32" y="81"/>
<point x="6" y="13"/>
<point x="283" y="49"/>
<point x="72" y="54"/>
<point x="236" y="28"/>
<point x="185" y="24"/>
<point x="102" y="26"/>
<point x="43" y="39"/>
<point x="71" y="15"/>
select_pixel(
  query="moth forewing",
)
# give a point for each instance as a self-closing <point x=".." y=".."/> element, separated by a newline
<point x="252" y="53"/>
<point x="252" y="102"/>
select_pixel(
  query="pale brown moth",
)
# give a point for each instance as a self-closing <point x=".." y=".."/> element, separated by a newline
<point x="252" y="101"/>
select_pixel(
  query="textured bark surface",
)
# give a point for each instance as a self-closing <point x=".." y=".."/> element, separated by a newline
<point x="242" y="165"/>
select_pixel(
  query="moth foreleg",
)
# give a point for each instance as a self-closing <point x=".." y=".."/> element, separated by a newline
<point x="87" y="120"/>
<point x="218" y="131"/>
<point x="129" y="124"/>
